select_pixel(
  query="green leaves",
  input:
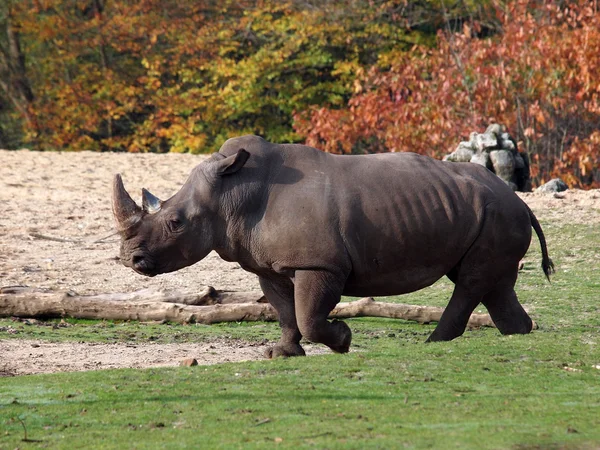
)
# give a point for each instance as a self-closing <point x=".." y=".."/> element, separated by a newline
<point x="185" y="76"/>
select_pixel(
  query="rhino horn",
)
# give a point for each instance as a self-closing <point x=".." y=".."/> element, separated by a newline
<point x="125" y="210"/>
<point x="150" y="203"/>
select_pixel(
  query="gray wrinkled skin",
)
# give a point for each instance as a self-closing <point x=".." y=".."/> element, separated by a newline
<point x="314" y="226"/>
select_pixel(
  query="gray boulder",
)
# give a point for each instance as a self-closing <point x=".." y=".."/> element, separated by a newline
<point x="554" y="185"/>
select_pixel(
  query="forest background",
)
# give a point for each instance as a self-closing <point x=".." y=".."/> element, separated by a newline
<point x="346" y="76"/>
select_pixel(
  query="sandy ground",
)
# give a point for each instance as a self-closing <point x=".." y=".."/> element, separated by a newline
<point x="55" y="219"/>
<point x="26" y="357"/>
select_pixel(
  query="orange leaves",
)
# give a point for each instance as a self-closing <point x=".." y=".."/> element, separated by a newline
<point x="583" y="159"/>
<point x="174" y="75"/>
<point x="539" y="76"/>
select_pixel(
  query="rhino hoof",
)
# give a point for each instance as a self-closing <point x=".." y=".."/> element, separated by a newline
<point x="284" y="351"/>
<point x="345" y="337"/>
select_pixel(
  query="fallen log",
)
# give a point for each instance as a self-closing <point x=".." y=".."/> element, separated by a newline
<point x="206" y="307"/>
<point x="45" y="305"/>
<point x="207" y="296"/>
<point x="367" y="307"/>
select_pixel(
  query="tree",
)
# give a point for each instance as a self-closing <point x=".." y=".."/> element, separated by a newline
<point x="14" y="82"/>
<point x="174" y="75"/>
<point x="539" y="76"/>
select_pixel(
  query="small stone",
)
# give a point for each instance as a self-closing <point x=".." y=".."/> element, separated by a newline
<point x="508" y="145"/>
<point x="483" y="159"/>
<point x="495" y="129"/>
<point x="554" y="185"/>
<point x="188" y="362"/>
<point x="485" y="142"/>
<point x="463" y="153"/>
<point x="504" y="164"/>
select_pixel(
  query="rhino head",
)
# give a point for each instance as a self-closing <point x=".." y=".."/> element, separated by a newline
<point x="164" y="236"/>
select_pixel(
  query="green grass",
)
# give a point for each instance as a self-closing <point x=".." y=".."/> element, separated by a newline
<point x="482" y="390"/>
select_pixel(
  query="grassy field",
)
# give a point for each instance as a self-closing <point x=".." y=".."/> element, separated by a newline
<point x="481" y="391"/>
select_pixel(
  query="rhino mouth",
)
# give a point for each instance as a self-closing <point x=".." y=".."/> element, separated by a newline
<point x="143" y="265"/>
<point x="147" y="274"/>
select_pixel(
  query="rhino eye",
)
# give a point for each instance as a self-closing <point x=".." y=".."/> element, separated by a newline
<point x="175" y="224"/>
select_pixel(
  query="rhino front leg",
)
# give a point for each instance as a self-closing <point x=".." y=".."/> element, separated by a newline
<point x="280" y="293"/>
<point x="316" y="293"/>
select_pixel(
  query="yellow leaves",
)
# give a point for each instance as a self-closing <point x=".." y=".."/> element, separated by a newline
<point x="193" y="144"/>
<point x="47" y="31"/>
<point x="586" y="164"/>
<point x="467" y="30"/>
<point x="536" y="111"/>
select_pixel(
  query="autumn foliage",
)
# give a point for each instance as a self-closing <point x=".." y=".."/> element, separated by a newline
<point x="347" y="76"/>
<point x="540" y="76"/>
<point x="178" y="75"/>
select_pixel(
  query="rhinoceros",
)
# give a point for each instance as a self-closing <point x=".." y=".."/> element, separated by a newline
<point x="315" y="226"/>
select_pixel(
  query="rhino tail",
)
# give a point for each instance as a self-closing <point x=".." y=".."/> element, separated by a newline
<point x="547" y="264"/>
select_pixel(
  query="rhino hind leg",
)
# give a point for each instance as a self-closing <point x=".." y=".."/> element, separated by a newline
<point x="487" y="273"/>
<point x="280" y="294"/>
<point x="316" y="293"/>
<point x="506" y="311"/>
<point x="456" y="315"/>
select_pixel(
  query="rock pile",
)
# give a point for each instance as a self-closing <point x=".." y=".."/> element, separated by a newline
<point x="496" y="150"/>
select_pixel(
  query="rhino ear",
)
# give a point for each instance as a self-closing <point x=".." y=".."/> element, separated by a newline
<point x="150" y="203"/>
<point x="232" y="164"/>
<point x="125" y="210"/>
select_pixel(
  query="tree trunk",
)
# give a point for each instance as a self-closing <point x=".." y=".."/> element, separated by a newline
<point x="208" y="306"/>
<point x="13" y="78"/>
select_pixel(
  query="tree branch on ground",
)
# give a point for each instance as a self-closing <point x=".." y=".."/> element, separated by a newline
<point x="207" y="306"/>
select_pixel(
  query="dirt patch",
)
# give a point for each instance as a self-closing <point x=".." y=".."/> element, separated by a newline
<point x="33" y="356"/>
<point x="55" y="215"/>
<point x="572" y="206"/>
<point x="67" y="197"/>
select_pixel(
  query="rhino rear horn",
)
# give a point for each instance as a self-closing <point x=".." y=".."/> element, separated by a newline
<point x="150" y="203"/>
<point x="125" y="210"/>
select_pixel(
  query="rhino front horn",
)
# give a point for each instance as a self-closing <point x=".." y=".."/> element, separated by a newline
<point x="125" y="210"/>
<point x="150" y="203"/>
